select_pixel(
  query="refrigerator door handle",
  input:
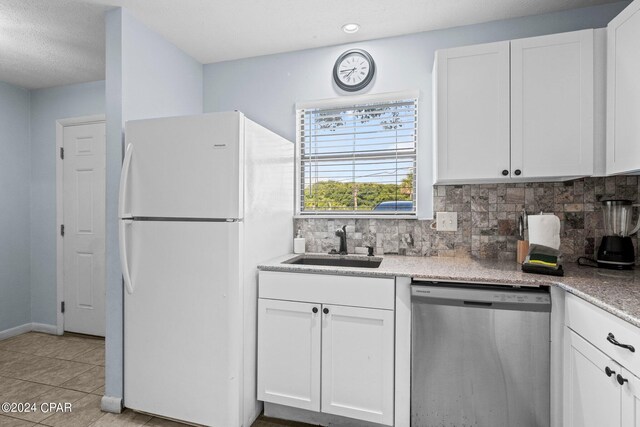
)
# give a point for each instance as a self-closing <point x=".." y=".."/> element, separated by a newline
<point x="124" y="182"/>
<point x="123" y="255"/>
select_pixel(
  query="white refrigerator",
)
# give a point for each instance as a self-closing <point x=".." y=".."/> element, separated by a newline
<point x="203" y="200"/>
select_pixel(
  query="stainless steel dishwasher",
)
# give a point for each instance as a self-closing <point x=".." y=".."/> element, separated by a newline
<point x="479" y="355"/>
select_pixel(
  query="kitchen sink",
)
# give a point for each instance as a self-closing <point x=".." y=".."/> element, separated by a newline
<point x="337" y="261"/>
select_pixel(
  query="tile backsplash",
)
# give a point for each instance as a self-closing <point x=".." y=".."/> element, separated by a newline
<point x="487" y="220"/>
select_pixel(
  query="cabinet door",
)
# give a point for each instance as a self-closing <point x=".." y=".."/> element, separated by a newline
<point x="471" y="92"/>
<point x="591" y="397"/>
<point x="623" y="91"/>
<point x="552" y="105"/>
<point x="357" y="363"/>
<point x="289" y="353"/>
<point x="630" y="400"/>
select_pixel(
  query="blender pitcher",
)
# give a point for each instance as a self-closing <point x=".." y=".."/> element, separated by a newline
<point x="616" y="249"/>
<point x="618" y="218"/>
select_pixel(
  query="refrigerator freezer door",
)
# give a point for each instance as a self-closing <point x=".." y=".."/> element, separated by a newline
<point x="183" y="322"/>
<point x="184" y="167"/>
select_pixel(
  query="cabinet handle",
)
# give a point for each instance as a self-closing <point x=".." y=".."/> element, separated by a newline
<point x="314" y="309"/>
<point x="621" y="379"/>
<point x="612" y="339"/>
<point x="608" y="371"/>
<point x="325" y="310"/>
<point x="517" y="172"/>
<point x="505" y="172"/>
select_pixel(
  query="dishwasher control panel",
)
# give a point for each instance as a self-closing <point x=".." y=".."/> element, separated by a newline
<point x="495" y="296"/>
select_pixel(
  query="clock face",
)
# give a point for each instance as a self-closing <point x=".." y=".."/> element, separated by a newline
<point x="353" y="70"/>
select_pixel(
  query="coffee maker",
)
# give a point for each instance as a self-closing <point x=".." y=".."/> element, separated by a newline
<point x="616" y="249"/>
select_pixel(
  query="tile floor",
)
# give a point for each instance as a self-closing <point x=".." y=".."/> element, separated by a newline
<point x="40" y="368"/>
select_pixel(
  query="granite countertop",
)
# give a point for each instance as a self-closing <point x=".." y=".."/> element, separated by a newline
<point x="617" y="292"/>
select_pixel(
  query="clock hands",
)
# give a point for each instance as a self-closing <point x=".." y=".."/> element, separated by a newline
<point x="351" y="71"/>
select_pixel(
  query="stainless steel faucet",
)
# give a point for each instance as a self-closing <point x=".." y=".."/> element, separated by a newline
<point x="342" y="233"/>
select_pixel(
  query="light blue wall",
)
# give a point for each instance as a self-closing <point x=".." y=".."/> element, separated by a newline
<point x="14" y="207"/>
<point x="146" y="77"/>
<point x="47" y="106"/>
<point x="266" y="88"/>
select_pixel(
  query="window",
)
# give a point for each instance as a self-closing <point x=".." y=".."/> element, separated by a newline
<point x="358" y="159"/>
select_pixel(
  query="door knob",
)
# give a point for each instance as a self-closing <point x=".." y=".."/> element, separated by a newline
<point x="505" y="172"/>
<point x="325" y="310"/>
<point x="314" y="309"/>
<point x="608" y="371"/>
<point x="517" y="172"/>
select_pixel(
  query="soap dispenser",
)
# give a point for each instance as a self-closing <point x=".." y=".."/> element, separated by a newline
<point x="299" y="243"/>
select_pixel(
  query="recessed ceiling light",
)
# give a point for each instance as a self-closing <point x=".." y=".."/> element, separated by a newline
<point x="350" y="28"/>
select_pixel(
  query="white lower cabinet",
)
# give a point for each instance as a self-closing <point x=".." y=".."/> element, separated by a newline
<point x="289" y="353"/>
<point x="630" y="400"/>
<point x="592" y="397"/>
<point x="330" y="358"/>
<point x="600" y="352"/>
<point x="357" y="363"/>
<point x="351" y="360"/>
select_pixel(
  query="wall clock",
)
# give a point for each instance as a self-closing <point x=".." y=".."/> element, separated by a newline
<point x="354" y="70"/>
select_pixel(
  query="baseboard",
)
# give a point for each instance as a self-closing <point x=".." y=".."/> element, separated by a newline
<point x="28" y="327"/>
<point x="111" y="404"/>
<point x="12" y="332"/>
<point x="43" y="327"/>
<point x="282" y="412"/>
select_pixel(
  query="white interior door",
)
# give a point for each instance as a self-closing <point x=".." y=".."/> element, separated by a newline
<point x="84" y="228"/>
<point x="183" y="320"/>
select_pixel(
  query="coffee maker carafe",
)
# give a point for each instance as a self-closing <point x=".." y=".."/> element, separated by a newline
<point x="616" y="249"/>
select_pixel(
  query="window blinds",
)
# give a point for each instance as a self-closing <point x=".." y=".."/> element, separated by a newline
<point x="359" y="159"/>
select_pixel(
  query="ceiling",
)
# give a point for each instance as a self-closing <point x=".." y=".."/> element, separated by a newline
<point x="47" y="43"/>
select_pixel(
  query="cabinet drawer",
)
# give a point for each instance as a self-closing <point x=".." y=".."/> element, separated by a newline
<point x="595" y="325"/>
<point x="371" y="292"/>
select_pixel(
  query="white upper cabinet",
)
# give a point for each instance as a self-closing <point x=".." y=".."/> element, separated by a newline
<point x="552" y="105"/>
<point x="520" y="110"/>
<point x="623" y="91"/>
<point x="471" y="127"/>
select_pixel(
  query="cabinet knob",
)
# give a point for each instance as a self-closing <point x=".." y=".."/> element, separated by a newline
<point x="517" y="172"/>
<point x="505" y="172"/>
<point x="314" y="309"/>
<point x="621" y="379"/>
<point x="608" y="371"/>
<point x="325" y="310"/>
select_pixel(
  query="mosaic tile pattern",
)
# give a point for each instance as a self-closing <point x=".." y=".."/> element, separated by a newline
<point x="487" y="220"/>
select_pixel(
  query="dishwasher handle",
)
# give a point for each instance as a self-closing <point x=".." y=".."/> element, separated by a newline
<point x="478" y="303"/>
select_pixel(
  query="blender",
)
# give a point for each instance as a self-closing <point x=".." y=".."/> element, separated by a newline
<point x="616" y="249"/>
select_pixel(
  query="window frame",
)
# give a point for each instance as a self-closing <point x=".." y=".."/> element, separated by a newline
<point x="345" y="102"/>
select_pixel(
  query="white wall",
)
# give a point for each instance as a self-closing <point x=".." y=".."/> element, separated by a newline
<point x="266" y="88"/>
<point x="47" y="106"/>
<point x="14" y="207"/>
<point x="146" y="77"/>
